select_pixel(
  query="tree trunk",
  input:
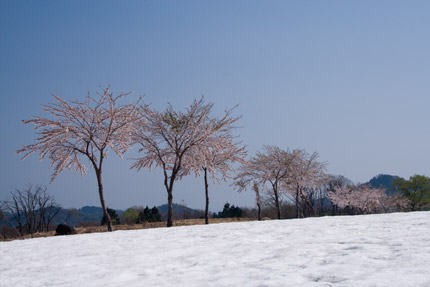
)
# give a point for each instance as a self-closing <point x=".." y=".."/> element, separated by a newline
<point x="259" y="211"/>
<point x="309" y="209"/>
<point x="102" y="200"/>
<point x="170" y="207"/>
<point x="17" y="215"/>
<point x="257" y="199"/>
<point x="333" y="209"/>
<point x="278" y="208"/>
<point x="297" y="203"/>
<point x="207" y="196"/>
<point x="169" y="188"/>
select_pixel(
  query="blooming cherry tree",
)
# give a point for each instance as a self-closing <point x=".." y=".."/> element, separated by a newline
<point x="271" y="165"/>
<point x="178" y="142"/>
<point x="364" y="199"/>
<point x="307" y="173"/>
<point x="83" y="130"/>
<point x="217" y="154"/>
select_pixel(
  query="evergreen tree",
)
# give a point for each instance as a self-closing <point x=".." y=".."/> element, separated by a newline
<point x="149" y="215"/>
<point x="155" y="215"/>
<point x="230" y="211"/>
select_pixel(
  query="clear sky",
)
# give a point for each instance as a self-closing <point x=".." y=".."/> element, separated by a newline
<point x="349" y="79"/>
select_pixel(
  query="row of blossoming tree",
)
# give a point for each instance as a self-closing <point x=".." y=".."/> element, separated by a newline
<point x="278" y="172"/>
<point x="302" y="178"/>
<point x="183" y="143"/>
<point x="180" y="143"/>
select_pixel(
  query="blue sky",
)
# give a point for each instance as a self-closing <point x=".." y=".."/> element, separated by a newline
<point x="347" y="79"/>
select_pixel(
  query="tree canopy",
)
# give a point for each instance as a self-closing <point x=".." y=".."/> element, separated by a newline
<point x="416" y="189"/>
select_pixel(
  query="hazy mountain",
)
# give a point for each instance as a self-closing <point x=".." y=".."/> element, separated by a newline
<point x="73" y="216"/>
<point x="385" y="181"/>
<point x="180" y="211"/>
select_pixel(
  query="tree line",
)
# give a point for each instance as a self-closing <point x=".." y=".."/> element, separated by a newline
<point x="338" y="196"/>
<point x="31" y="209"/>
<point x="193" y="141"/>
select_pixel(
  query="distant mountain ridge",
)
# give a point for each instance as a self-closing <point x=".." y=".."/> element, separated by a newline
<point x="74" y="216"/>
<point x="384" y="181"/>
<point x="180" y="211"/>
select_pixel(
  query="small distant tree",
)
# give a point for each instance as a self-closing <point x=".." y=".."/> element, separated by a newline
<point x="172" y="140"/>
<point x="143" y="215"/>
<point x="32" y="209"/>
<point x="149" y="215"/>
<point x="155" y="215"/>
<point x="272" y="165"/>
<point x="87" y="130"/>
<point x="230" y="211"/>
<point x="113" y="217"/>
<point x="333" y="183"/>
<point x="306" y="175"/>
<point x="130" y="216"/>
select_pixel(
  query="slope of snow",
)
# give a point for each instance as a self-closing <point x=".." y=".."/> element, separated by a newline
<point x="372" y="250"/>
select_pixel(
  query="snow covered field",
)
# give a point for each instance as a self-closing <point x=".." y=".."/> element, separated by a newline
<point x="372" y="250"/>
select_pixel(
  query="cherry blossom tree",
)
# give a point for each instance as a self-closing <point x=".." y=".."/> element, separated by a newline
<point x="77" y="130"/>
<point x="364" y="199"/>
<point x="271" y="165"/>
<point x="336" y="181"/>
<point x="217" y="154"/>
<point x="307" y="173"/>
<point x="178" y="141"/>
<point x="395" y="202"/>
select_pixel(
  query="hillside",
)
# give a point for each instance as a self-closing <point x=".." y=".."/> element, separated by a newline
<point x="74" y="216"/>
<point x="371" y="250"/>
<point x="384" y="181"/>
<point x="180" y="211"/>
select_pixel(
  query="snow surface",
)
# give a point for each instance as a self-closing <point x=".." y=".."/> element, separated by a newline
<point x="372" y="250"/>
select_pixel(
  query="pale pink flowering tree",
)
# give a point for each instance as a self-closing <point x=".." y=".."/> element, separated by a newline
<point x="217" y="154"/>
<point x="307" y="173"/>
<point x="395" y="202"/>
<point x="342" y="196"/>
<point x="270" y="166"/>
<point x="333" y="182"/>
<point x="77" y="130"/>
<point x="178" y="142"/>
<point x="364" y="199"/>
<point x="361" y="199"/>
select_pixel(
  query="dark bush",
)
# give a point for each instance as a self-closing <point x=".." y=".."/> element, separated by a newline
<point x="64" y="229"/>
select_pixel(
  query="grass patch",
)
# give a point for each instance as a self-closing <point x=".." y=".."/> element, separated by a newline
<point x="95" y="229"/>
